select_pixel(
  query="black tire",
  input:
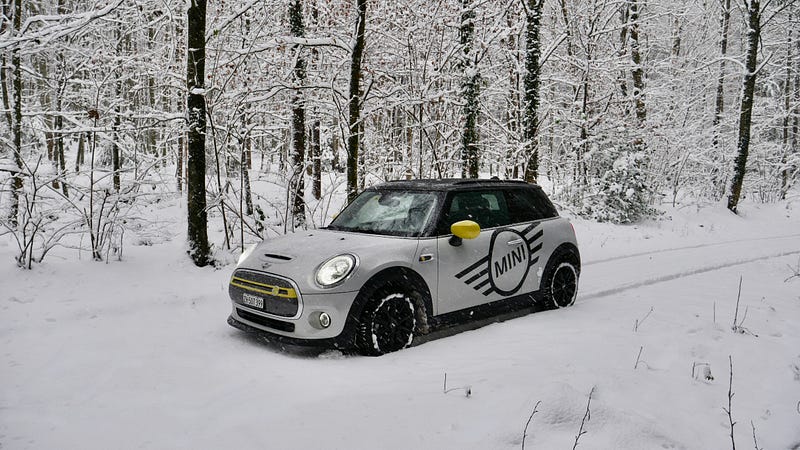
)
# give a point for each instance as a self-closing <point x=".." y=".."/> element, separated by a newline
<point x="560" y="280"/>
<point x="387" y="323"/>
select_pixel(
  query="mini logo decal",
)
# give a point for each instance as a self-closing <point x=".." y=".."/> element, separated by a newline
<point x="511" y="254"/>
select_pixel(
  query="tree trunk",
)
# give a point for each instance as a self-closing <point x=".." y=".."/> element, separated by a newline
<point x="61" y="165"/>
<point x="179" y="163"/>
<point x="150" y="134"/>
<point x="297" y="185"/>
<point x="115" y="151"/>
<point x="335" y="145"/>
<point x="723" y="44"/>
<point x="622" y="78"/>
<point x="637" y="72"/>
<point x="316" y="159"/>
<point x="471" y="92"/>
<point x="746" y="111"/>
<point x="196" y="106"/>
<point x="532" y="53"/>
<point x="248" y="194"/>
<point x="16" y="180"/>
<point x="354" y="103"/>
<point x="81" y="151"/>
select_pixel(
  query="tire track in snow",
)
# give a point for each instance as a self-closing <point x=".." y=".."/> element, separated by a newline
<point x="688" y="247"/>
<point x="688" y="273"/>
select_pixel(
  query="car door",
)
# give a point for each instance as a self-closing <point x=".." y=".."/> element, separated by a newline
<point x="493" y="266"/>
<point x="531" y="213"/>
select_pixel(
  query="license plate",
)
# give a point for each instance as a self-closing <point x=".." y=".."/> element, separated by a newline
<point x="252" y="300"/>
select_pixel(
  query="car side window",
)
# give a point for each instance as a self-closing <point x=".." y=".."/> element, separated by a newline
<point x="527" y="205"/>
<point x="487" y="208"/>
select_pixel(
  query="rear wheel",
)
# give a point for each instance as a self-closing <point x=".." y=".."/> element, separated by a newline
<point x="387" y="323"/>
<point x="560" y="281"/>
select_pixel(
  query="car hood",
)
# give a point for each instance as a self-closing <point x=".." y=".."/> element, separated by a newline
<point x="297" y="255"/>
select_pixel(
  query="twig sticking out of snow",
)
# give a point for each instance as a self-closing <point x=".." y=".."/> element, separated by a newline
<point x="730" y="398"/>
<point x="586" y="417"/>
<point x="637" y="357"/>
<point x="467" y="389"/>
<point x="525" y="431"/>
<point x="795" y="270"/>
<point x="639" y="322"/>
<point x="755" y="441"/>
<point x="737" y="326"/>
<point x="736" y="313"/>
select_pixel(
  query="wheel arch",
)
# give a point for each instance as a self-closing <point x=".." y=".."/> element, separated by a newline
<point x="567" y="248"/>
<point x="404" y="279"/>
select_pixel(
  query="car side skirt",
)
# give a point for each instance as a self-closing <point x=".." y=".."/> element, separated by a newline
<point x="475" y="316"/>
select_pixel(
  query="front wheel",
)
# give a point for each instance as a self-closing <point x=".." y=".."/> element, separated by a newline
<point x="560" y="282"/>
<point x="387" y="324"/>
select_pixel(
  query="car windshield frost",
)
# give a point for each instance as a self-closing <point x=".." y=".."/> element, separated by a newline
<point x="396" y="213"/>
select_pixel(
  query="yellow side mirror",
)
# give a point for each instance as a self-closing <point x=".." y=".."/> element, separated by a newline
<point x="465" y="229"/>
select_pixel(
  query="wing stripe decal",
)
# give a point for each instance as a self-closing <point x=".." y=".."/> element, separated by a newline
<point x="482" y="284"/>
<point x="469" y="269"/>
<point x="477" y="275"/>
<point x="530" y="227"/>
<point x="534" y="237"/>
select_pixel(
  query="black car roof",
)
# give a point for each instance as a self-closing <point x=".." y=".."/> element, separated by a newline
<point x="449" y="184"/>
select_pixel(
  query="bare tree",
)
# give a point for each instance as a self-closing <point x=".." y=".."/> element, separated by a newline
<point x="746" y="108"/>
<point x="470" y="92"/>
<point x="354" y="100"/>
<point x="637" y="71"/>
<point x="297" y="184"/>
<point x="16" y="180"/>
<point x="533" y="13"/>
<point x="196" y="106"/>
<point x="725" y="22"/>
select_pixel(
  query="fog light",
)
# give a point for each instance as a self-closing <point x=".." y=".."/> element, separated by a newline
<point x="324" y="320"/>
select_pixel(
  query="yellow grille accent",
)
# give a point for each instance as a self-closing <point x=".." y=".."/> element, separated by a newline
<point x="269" y="289"/>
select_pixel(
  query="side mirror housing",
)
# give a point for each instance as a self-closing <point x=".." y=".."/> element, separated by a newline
<point x="465" y="229"/>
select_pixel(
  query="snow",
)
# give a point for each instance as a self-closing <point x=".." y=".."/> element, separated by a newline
<point x="137" y="354"/>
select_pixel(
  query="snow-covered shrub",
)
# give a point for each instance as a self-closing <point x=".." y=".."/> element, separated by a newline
<point x="623" y="193"/>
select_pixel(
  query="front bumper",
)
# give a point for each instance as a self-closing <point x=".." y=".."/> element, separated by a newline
<point x="301" y="328"/>
<point x="343" y="341"/>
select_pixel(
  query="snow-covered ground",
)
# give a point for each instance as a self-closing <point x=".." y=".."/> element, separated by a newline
<point x="137" y="354"/>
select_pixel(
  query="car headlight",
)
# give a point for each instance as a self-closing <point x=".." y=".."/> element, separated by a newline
<point x="247" y="252"/>
<point x="335" y="270"/>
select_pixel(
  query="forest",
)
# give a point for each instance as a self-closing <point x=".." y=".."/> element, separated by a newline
<point x="266" y="115"/>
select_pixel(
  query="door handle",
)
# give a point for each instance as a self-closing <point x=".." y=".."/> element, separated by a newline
<point x="515" y="242"/>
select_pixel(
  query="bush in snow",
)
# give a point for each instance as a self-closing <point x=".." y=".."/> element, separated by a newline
<point x="623" y="193"/>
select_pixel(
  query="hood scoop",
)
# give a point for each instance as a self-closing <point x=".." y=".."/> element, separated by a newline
<point x="278" y="257"/>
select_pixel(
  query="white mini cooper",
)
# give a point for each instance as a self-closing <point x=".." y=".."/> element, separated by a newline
<point x="405" y="258"/>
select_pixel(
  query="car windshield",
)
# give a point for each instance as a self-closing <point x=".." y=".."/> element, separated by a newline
<point x="390" y="212"/>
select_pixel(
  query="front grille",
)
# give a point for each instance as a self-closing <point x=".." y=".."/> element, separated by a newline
<point x="280" y="297"/>
<point x="265" y="321"/>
